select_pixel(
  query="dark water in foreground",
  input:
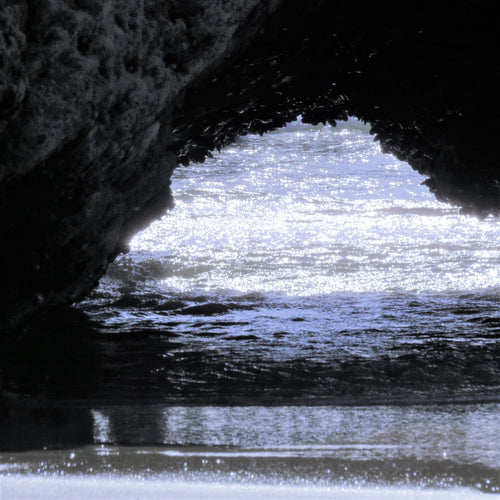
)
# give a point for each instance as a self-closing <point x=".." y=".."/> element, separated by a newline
<point x="307" y="314"/>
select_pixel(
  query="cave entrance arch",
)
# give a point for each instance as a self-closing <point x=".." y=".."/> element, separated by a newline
<point x="324" y="199"/>
<point x="305" y="210"/>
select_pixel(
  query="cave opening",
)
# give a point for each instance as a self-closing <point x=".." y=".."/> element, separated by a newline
<point x="309" y="210"/>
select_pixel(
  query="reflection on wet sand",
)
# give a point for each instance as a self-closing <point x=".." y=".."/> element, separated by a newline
<point x="102" y="407"/>
<point x="427" y="446"/>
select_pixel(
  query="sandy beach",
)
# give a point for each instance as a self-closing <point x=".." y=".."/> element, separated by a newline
<point x="20" y="487"/>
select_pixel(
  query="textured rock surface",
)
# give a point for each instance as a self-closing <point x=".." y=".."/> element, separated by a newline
<point x="100" y="99"/>
<point x="88" y="89"/>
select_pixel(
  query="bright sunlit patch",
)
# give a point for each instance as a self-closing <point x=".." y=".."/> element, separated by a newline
<point x="102" y="428"/>
<point x="310" y="210"/>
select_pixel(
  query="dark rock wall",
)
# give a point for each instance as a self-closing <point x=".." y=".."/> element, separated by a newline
<point x="425" y="78"/>
<point x="87" y="89"/>
<point x="100" y="99"/>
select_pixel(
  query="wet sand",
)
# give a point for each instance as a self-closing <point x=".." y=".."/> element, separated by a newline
<point x="17" y="487"/>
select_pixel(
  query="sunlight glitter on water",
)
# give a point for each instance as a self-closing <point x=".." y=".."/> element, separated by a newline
<point x="304" y="212"/>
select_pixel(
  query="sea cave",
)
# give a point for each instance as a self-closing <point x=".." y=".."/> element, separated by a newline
<point x="249" y="247"/>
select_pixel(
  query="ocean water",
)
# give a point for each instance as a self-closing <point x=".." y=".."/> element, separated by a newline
<point x="307" y="314"/>
<point x="308" y="267"/>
